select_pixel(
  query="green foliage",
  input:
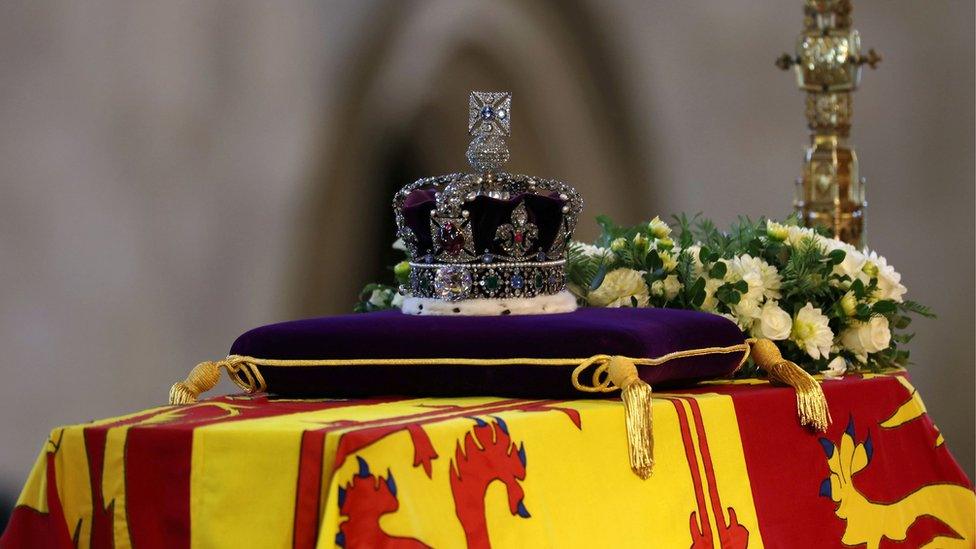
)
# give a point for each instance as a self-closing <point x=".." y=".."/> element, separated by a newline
<point x="698" y="266"/>
<point x="375" y="297"/>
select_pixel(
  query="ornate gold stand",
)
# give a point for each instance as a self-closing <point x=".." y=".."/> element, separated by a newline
<point x="828" y="64"/>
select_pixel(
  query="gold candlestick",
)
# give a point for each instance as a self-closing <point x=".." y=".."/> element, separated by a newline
<point x="828" y="64"/>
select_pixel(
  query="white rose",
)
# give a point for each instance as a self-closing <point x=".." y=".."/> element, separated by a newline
<point x="620" y="287"/>
<point x="811" y="331"/>
<point x="836" y="368"/>
<point x="671" y="286"/>
<point x="773" y="322"/>
<point x="657" y="288"/>
<point x="863" y="338"/>
<point x="849" y="304"/>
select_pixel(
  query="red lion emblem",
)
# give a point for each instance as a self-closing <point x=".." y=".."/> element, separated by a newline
<point x="364" y="500"/>
<point x="488" y="455"/>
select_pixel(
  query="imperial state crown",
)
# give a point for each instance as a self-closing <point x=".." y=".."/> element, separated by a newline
<point x="488" y="242"/>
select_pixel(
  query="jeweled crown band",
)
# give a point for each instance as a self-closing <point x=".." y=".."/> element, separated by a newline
<point x="486" y="280"/>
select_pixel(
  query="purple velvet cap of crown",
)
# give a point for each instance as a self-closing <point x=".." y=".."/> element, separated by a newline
<point x="586" y="332"/>
<point x="486" y="215"/>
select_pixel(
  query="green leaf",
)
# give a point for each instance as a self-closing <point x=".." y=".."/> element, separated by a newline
<point x="884" y="307"/>
<point x="653" y="260"/>
<point x="900" y="322"/>
<point x="698" y="292"/>
<point x="910" y="306"/>
<point x="718" y="270"/>
<point x="837" y="257"/>
<point x="733" y="298"/>
<point x="704" y="254"/>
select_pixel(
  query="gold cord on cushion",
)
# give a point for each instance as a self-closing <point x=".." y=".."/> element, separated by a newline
<point x="811" y="405"/>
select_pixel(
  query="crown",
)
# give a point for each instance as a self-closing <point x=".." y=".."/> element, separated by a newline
<point x="486" y="235"/>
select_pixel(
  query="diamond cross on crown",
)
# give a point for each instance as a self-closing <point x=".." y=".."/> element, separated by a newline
<point x="490" y="113"/>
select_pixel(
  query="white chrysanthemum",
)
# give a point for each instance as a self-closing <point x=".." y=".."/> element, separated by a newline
<point x="889" y="280"/>
<point x="669" y="260"/>
<point x="620" y="287"/>
<point x="397" y="300"/>
<point x="589" y="250"/>
<point x="797" y="234"/>
<point x="760" y="276"/>
<point x="773" y="322"/>
<point x="399" y="244"/>
<point x="777" y="231"/>
<point x="658" y="228"/>
<point x="811" y="331"/>
<point x="853" y="259"/>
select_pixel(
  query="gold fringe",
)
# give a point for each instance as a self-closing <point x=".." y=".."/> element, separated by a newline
<point x="638" y="414"/>
<point x="811" y="405"/>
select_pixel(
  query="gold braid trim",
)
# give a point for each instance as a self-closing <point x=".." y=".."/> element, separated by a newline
<point x="811" y="404"/>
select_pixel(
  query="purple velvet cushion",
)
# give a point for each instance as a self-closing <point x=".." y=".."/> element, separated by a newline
<point x="646" y="333"/>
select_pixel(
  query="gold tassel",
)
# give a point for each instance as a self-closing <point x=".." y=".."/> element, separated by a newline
<point x="811" y="405"/>
<point x="202" y="378"/>
<point x="243" y="371"/>
<point x="636" y="395"/>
